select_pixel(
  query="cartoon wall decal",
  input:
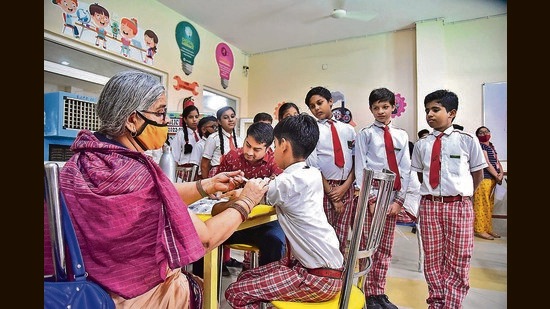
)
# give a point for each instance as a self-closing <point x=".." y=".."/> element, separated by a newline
<point x="341" y="113"/>
<point x="181" y="84"/>
<point x="96" y="25"/>
<point x="189" y="44"/>
<point x="128" y="31"/>
<point x="70" y="10"/>
<point x="151" y="41"/>
<point x="224" y="58"/>
<point x="101" y="19"/>
<point x="400" y="105"/>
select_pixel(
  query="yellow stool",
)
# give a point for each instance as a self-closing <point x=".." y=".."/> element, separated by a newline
<point x="254" y="253"/>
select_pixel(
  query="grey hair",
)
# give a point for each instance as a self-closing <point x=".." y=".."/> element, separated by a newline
<point x="123" y="94"/>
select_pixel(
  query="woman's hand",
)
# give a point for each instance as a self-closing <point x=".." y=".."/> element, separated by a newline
<point x="255" y="189"/>
<point x="223" y="182"/>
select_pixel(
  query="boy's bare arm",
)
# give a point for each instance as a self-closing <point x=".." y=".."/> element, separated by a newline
<point x="477" y="177"/>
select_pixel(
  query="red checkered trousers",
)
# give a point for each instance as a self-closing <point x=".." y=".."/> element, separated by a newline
<point x="280" y="280"/>
<point x="447" y="231"/>
<point x="341" y="222"/>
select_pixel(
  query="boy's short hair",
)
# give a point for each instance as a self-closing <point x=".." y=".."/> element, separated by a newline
<point x="301" y="131"/>
<point x="446" y="98"/>
<point x="322" y="91"/>
<point x="263" y="117"/>
<point x="262" y="132"/>
<point x="381" y="95"/>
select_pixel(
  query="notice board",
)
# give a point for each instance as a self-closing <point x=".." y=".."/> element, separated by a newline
<point x="495" y="102"/>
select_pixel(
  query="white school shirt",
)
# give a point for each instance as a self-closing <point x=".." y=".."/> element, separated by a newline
<point x="297" y="194"/>
<point x="212" y="150"/>
<point x="322" y="156"/>
<point x="179" y="142"/>
<point x="370" y="153"/>
<point x="461" y="154"/>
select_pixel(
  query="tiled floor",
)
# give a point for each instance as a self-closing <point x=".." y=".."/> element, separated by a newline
<point x="406" y="287"/>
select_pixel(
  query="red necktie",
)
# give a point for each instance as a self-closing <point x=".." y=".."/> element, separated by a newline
<point x="392" y="161"/>
<point x="435" y="163"/>
<point x="196" y="136"/>
<point x="338" y="153"/>
<point x="231" y="142"/>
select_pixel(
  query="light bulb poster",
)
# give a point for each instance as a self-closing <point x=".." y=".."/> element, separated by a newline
<point x="189" y="44"/>
<point x="225" y="60"/>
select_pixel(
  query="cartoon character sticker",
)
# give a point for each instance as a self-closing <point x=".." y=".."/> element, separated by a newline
<point x="151" y="40"/>
<point x="101" y="19"/>
<point x="69" y="8"/>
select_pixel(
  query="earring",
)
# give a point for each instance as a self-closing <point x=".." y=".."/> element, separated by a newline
<point x="133" y="133"/>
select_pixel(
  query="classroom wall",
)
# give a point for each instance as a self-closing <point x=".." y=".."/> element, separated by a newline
<point x="458" y="56"/>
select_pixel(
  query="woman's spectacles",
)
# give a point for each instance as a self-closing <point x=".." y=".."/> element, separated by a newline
<point x="215" y="127"/>
<point x="158" y="114"/>
<point x="483" y="132"/>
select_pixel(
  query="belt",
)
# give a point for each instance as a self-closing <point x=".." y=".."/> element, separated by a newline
<point x="326" y="272"/>
<point x="445" y="199"/>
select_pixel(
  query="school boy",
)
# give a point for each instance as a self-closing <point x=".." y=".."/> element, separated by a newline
<point x="312" y="269"/>
<point x="338" y="175"/>
<point x="446" y="212"/>
<point x="377" y="145"/>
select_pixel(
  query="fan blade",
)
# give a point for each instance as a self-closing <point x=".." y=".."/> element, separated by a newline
<point x="361" y="15"/>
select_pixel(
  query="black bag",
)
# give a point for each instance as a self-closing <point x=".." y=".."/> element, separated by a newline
<point x="80" y="293"/>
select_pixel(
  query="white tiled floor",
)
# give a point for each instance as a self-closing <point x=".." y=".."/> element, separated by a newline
<point x="406" y="287"/>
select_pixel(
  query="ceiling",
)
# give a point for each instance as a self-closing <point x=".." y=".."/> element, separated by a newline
<point x="258" y="26"/>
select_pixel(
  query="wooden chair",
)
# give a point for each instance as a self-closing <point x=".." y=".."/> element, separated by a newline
<point x="359" y="261"/>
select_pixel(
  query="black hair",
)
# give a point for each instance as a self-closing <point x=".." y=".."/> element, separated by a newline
<point x="262" y="132"/>
<point x="301" y="131"/>
<point x="422" y="132"/>
<point x="219" y="114"/>
<point x="187" y="148"/>
<point x="381" y="95"/>
<point x="286" y="106"/>
<point x="446" y="98"/>
<point x="322" y="91"/>
<point x="204" y="120"/>
<point x="263" y="117"/>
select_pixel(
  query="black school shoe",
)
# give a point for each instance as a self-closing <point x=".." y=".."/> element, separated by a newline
<point x="372" y="302"/>
<point x="385" y="302"/>
<point x="233" y="263"/>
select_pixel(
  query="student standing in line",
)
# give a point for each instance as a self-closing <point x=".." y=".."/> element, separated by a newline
<point x="312" y="269"/>
<point x="446" y="212"/>
<point x="255" y="161"/>
<point x="187" y="136"/>
<point x="484" y="198"/>
<point x="287" y="109"/>
<point x="371" y="153"/>
<point x="338" y="175"/>
<point x="207" y="125"/>
<point x="219" y="144"/>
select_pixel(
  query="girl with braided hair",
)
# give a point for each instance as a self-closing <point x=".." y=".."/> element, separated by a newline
<point x="187" y="137"/>
<point x="219" y="144"/>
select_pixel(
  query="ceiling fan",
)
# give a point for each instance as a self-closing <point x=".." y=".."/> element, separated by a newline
<point x="340" y="12"/>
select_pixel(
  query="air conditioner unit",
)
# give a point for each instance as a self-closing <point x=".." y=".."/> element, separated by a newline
<point x="65" y="114"/>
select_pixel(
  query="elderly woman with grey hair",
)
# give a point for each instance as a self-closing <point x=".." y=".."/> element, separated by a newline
<point x="131" y="221"/>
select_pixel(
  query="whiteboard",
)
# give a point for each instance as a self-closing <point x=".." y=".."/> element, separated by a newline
<point x="495" y="102"/>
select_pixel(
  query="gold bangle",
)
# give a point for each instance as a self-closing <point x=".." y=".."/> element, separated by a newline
<point x="200" y="188"/>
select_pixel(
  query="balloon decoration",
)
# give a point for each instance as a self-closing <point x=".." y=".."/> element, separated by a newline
<point x="400" y="105"/>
